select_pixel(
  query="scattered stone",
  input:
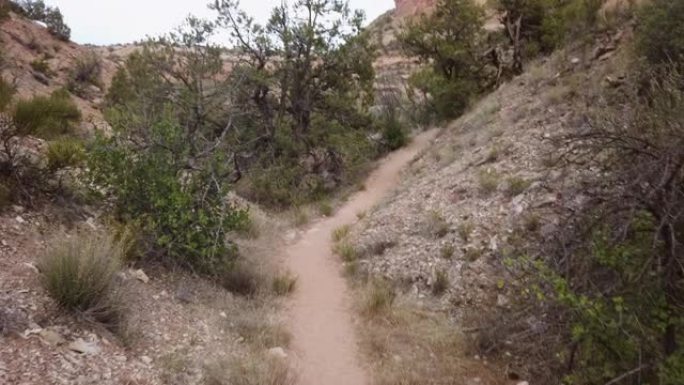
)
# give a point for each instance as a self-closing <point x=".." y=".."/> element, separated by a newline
<point x="501" y="300"/>
<point x="575" y="60"/>
<point x="523" y="383"/>
<point x="141" y="276"/>
<point x="146" y="359"/>
<point x="277" y="352"/>
<point x="83" y="347"/>
<point x="223" y="314"/>
<point x="20" y="220"/>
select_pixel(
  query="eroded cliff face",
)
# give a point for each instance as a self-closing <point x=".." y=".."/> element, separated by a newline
<point x="404" y="8"/>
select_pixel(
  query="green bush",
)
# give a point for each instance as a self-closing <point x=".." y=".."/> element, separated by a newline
<point x="65" y="152"/>
<point x="52" y="17"/>
<point x="449" y="43"/>
<point x="547" y="24"/>
<point x="47" y="116"/>
<point x="394" y="133"/>
<point x="660" y="32"/>
<point x="79" y="273"/>
<point x="184" y="215"/>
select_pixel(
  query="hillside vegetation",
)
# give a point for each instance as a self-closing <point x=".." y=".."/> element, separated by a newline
<point x="544" y="222"/>
<point x="149" y="193"/>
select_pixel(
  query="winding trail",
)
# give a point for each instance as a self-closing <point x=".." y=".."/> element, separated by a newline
<point x="321" y="321"/>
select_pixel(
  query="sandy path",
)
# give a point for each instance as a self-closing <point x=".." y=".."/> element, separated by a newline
<point x="324" y="341"/>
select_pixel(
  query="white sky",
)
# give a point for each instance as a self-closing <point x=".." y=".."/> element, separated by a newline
<point x="104" y="22"/>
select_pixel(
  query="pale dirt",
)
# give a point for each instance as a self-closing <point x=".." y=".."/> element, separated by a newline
<point x="321" y="320"/>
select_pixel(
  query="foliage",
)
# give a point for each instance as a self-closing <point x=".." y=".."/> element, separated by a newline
<point x="284" y="284"/>
<point x="378" y="298"/>
<point x="440" y="283"/>
<point x="51" y="16"/>
<point x="540" y="26"/>
<point x="611" y="286"/>
<point x="394" y="133"/>
<point x="65" y="152"/>
<point x="660" y="33"/>
<point x="42" y="66"/>
<point x="167" y="165"/>
<point x="87" y="70"/>
<point x="304" y="90"/>
<point x="79" y="272"/>
<point x="46" y="116"/>
<point x="449" y="41"/>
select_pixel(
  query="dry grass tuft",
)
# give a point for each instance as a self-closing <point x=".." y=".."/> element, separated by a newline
<point x="259" y="331"/>
<point x="255" y="369"/>
<point x="284" y="284"/>
<point x="341" y="233"/>
<point x="346" y="251"/>
<point x="488" y="182"/>
<point x="441" y="282"/>
<point x="437" y="226"/>
<point x="409" y="346"/>
<point x="79" y="273"/>
<point x="377" y="298"/>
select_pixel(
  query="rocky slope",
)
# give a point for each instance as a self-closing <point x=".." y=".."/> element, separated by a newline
<point x="488" y="177"/>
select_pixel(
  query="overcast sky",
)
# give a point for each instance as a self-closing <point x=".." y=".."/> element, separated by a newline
<point x="105" y="22"/>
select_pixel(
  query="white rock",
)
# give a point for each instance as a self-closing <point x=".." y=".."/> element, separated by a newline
<point x="146" y="359"/>
<point x="501" y="300"/>
<point x="20" y="219"/>
<point x="141" y="276"/>
<point x="83" y="347"/>
<point x="223" y="314"/>
<point x="523" y="383"/>
<point x="277" y="352"/>
<point x="575" y="60"/>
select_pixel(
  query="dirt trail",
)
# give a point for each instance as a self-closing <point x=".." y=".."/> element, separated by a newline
<point x="321" y="322"/>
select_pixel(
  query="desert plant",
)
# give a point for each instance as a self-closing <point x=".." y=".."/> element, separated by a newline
<point x="51" y="16"/>
<point x="284" y="284"/>
<point x="65" y="152"/>
<point x="46" y="116"/>
<point x="79" y="273"/>
<point x="448" y="41"/>
<point x="87" y="70"/>
<point x="465" y="229"/>
<point x="516" y="186"/>
<point x="325" y="208"/>
<point x="660" y="33"/>
<point x="440" y="282"/>
<point x="378" y="298"/>
<point x="447" y="251"/>
<point x="488" y="182"/>
<point x="437" y="226"/>
<point x="540" y="26"/>
<point x="253" y="369"/>
<point x="340" y="233"/>
<point x="240" y="278"/>
<point x="346" y="250"/>
<point x="42" y="66"/>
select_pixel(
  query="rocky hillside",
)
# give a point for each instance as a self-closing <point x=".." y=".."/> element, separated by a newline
<point x="487" y="184"/>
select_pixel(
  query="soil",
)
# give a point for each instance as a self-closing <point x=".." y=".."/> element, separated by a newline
<point x="321" y="321"/>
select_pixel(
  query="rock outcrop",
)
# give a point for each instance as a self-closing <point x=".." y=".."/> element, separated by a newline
<point x="404" y="8"/>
